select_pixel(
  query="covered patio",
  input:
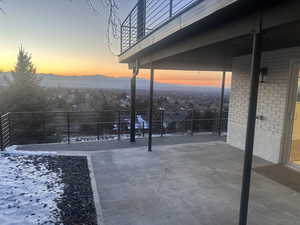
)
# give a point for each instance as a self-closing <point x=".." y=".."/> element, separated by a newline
<point x="236" y="36"/>
<point x="186" y="180"/>
<point x="190" y="184"/>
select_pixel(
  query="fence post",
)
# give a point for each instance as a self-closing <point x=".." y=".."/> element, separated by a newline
<point x="103" y="130"/>
<point x="10" y="133"/>
<point x="171" y="9"/>
<point x="68" y="127"/>
<point x="143" y="129"/>
<point x="44" y="126"/>
<point x="162" y="118"/>
<point x="119" y="125"/>
<point x="193" y="122"/>
<point x="98" y="130"/>
<point x="1" y="134"/>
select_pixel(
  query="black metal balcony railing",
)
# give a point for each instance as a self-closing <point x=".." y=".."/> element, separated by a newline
<point x="147" y="16"/>
<point x="68" y="127"/>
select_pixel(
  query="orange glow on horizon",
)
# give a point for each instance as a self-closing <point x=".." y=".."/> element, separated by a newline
<point x="166" y="77"/>
<point x="169" y="78"/>
<point x="81" y="68"/>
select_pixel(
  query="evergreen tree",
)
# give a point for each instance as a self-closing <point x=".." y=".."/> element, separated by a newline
<point x="23" y="92"/>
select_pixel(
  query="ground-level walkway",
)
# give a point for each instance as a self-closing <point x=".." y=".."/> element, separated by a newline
<point x="187" y="184"/>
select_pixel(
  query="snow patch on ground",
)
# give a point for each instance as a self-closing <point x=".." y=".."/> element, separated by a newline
<point x="107" y="138"/>
<point x="29" y="191"/>
<point x="13" y="150"/>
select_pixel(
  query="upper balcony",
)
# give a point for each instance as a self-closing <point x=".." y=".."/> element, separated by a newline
<point x="203" y="34"/>
<point x="151" y="21"/>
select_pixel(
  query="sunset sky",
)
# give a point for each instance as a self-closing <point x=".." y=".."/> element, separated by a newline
<point x="66" y="37"/>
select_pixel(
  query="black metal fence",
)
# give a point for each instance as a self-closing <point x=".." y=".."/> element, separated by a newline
<point x="148" y="15"/>
<point x="67" y="127"/>
<point x="4" y="131"/>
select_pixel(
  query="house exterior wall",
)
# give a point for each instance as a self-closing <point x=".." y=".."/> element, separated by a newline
<point x="272" y="102"/>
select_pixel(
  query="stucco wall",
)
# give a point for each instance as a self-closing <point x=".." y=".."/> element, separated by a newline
<point x="272" y="101"/>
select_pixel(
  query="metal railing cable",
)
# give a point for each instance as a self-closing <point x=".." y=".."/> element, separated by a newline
<point x="147" y="16"/>
<point x="20" y="128"/>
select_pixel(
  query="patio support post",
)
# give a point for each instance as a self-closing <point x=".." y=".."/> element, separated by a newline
<point x="151" y="109"/>
<point x="220" y="120"/>
<point x="133" y="109"/>
<point x="255" y="73"/>
<point x="135" y="72"/>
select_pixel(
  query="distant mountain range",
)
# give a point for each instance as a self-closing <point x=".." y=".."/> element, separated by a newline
<point x="105" y="82"/>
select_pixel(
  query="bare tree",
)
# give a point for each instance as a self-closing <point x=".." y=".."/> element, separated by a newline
<point x="113" y="21"/>
<point x="1" y="9"/>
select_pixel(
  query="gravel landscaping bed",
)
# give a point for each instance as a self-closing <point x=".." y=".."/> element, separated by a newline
<point x="39" y="189"/>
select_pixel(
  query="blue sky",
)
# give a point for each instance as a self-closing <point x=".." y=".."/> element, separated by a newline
<point x="66" y="33"/>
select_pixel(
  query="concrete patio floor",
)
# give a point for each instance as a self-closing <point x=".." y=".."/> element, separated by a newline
<point x="186" y="184"/>
<point x="196" y="182"/>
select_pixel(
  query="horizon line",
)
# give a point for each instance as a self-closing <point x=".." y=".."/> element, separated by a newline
<point x="125" y="77"/>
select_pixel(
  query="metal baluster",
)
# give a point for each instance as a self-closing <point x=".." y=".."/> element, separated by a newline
<point x="10" y="133"/>
<point x="121" y="36"/>
<point x="98" y="129"/>
<point x="68" y="127"/>
<point x="1" y="135"/>
<point x="44" y="127"/>
<point x="143" y="129"/>
<point x="171" y="9"/>
<point x="119" y="125"/>
<point x="162" y="116"/>
<point x="130" y="30"/>
<point x="193" y="121"/>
